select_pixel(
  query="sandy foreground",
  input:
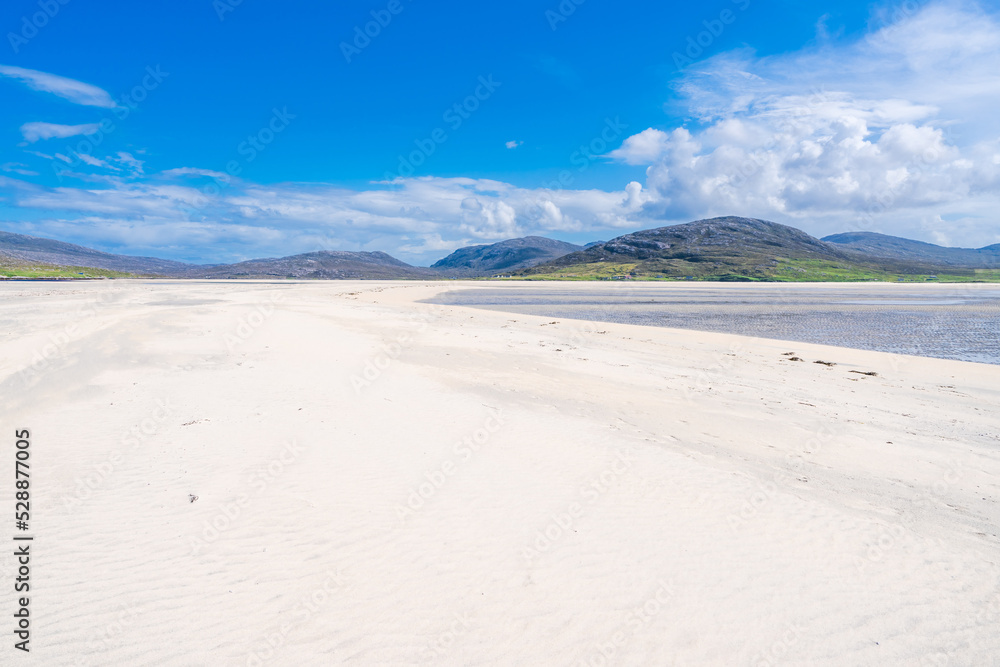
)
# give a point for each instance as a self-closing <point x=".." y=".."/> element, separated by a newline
<point x="381" y="481"/>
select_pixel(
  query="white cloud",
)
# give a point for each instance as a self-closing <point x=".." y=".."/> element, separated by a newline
<point x="37" y="131"/>
<point x="69" y="89"/>
<point x="18" y="168"/>
<point x="93" y="161"/>
<point x="887" y="132"/>
<point x="192" y="171"/>
<point x="514" y="144"/>
<point x="643" y="148"/>
<point x="129" y="161"/>
<point x="417" y="219"/>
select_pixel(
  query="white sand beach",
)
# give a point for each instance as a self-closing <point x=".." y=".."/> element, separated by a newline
<point x="335" y="473"/>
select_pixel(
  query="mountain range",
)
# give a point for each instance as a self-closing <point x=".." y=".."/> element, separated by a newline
<point x="19" y="249"/>
<point x="893" y="247"/>
<point x="320" y="265"/>
<point x="735" y="248"/>
<point x="728" y="248"/>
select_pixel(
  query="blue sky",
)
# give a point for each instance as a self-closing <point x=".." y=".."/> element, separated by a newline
<point x="214" y="131"/>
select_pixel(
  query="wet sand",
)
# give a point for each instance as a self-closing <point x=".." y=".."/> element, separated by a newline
<point x="947" y="321"/>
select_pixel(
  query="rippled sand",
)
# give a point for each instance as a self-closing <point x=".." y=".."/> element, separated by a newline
<point x="338" y="473"/>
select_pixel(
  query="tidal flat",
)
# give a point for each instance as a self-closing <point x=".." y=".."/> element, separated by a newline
<point x="946" y="321"/>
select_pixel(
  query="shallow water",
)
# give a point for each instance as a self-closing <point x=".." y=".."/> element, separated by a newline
<point x="947" y="321"/>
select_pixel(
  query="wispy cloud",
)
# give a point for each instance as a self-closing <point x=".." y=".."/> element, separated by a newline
<point x="38" y="131"/>
<point x="193" y="171"/>
<point x="18" y="168"/>
<point x="414" y="218"/>
<point x="93" y="161"/>
<point x="513" y="144"/>
<point x="75" y="91"/>
<point x="129" y="161"/>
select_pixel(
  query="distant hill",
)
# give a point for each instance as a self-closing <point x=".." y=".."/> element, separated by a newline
<point x="893" y="247"/>
<point x="728" y="248"/>
<point x="324" y="265"/>
<point x="20" y="249"/>
<point x="510" y="255"/>
<point x="29" y="255"/>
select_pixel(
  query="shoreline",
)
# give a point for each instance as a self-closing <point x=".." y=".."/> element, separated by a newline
<point x="517" y="280"/>
<point x="944" y="322"/>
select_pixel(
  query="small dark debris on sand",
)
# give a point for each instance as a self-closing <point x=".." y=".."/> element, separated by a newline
<point x="871" y="373"/>
<point x="192" y="497"/>
<point x="825" y="363"/>
<point x="796" y="359"/>
<point x="788" y="354"/>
